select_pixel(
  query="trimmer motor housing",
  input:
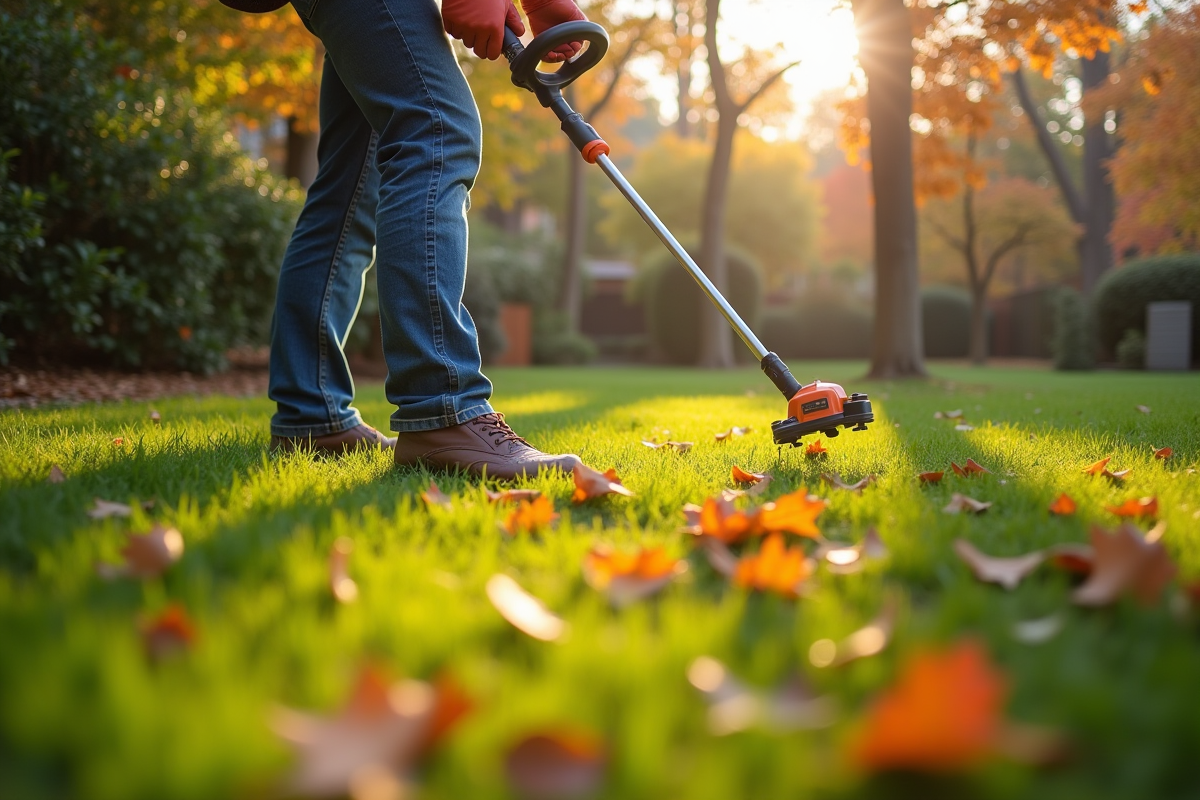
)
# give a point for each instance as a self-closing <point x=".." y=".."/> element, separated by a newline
<point x="822" y="407"/>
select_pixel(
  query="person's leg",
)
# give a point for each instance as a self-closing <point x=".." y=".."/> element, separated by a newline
<point x="401" y="71"/>
<point x="322" y="277"/>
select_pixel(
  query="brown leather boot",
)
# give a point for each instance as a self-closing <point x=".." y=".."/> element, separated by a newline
<point x="484" y="445"/>
<point x="336" y="444"/>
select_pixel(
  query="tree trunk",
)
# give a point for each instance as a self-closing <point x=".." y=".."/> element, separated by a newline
<point x="886" y="54"/>
<point x="301" y="156"/>
<point x="570" y="300"/>
<point x="1096" y="256"/>
<point x="978" y="343"/>
<point x="716" y="343"/>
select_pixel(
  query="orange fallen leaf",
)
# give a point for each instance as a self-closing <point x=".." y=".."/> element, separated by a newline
<point x="344" y="589"/>
<point x="146" y="555"/>
<point x="556" y="764"/>
<point x="1136" y="507"/>
<point x="734" y="431"/>
<point x="1099" y="468"/>
<point x="56" y="474"/>
<point x="960" y="503"/>
<point x="1008" y="572"/>
<point x="844" y="560"/>
<point x="450" y="705"/>
<point x="1063" y="505"/>
<point x="169" y="632"/>
<point x="720" y="520"/>
<point x="678" y="447"/>
<point x="590" y="483"/>
<point x="1163" y="453"/>
<point x="943" y="714"/>
<point x="972" y="467"/>
<point x="793" y="513"/>
<point x="930" y="477"/>
<point x="627" y="577"/>
<point x="433" y="496"/>
<point x="1072" y="557"/>
<point x="733" y="706"/>
<point x="369" y="747"/>
<point x="512" y="495"/>
<point x="816" y="450"/>
<point x="869" y="640"/>
<point x="530" y="516"/>
<point x="774" y="568"/>
<point x="742" y="476"/>
<point x="1125" y="563"/>
<point x="522" y="610"/>
<point x="118" y="441"/>
<point x="835" y="480"/>
<point x="691" y="516"/>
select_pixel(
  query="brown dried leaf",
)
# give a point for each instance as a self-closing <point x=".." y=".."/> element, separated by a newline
<point x="930" y="477"/>
<point x="1143" y="409"/>
<point x="835" y="480"/>
<point x="1136" y="507"/>
<point x="734" y="706"/>
<point x="1125" y="563"/>
<point x="1163" y="453"/>
<point x="1008" y="572"/>
<point x="344" y="589"/>
<point x="56" y="474"/>
<point x="1072" y="557"/>
<point x="556" y="764"/>
<point x="963" y="427"/>
<point x="720" y="557"/>
<point x="844" y="560"/>
<point x="522" y="610"/>
<point x="691" y="516"/>
<point x="865" y="642"/>
<point x="512" y="495"/>
<point x="734" y="431"/>
<point x="589" y="483"/>
<point x="103" y="509"/>
<point x="168" y="633"/>
<point x="679" y="447"/>
<point x="960" y="503"/>
<point x="146" y="555"/>
<point x="433" y="496"/>
<point x="972" y="467"/>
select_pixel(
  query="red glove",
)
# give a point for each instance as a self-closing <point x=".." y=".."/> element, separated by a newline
<point x="545" y="14"/>
<point x="480" y="24"/>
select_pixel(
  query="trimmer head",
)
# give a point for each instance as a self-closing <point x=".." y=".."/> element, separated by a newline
<point x="822" y="407"/>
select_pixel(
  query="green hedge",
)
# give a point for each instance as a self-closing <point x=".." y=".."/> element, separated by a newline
<point x="818" y="327"/>
<point x="673" y="303"/>
<point x="946" y="321"/>
<point x="144" y="237"/>
<point x="1120" y="298"/>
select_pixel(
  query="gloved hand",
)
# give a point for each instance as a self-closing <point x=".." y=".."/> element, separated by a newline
<point x="480" y="24"/>
<point x="545" y="14"/>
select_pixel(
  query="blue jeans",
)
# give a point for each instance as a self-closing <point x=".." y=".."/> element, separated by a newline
<point x="398" y="154"/>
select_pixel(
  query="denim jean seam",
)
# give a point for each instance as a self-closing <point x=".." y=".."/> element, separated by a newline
<point x="434" y="423"/>
<point x="305" y="431"/>
<point x="335" y="265"/>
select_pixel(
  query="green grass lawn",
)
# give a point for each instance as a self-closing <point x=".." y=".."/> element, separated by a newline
<point x="84" y="713"/>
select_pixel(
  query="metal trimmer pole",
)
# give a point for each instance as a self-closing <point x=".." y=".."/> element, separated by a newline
<point x="647" y="213"/>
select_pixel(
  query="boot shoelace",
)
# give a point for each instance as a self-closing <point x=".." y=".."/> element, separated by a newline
<point x="495" y="426"/>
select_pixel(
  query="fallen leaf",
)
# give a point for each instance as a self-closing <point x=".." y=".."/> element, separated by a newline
<point x="530" y="516"/>
<point x="1072" y="557"/>
<point x="433" y="496"/>
<point x="691" y="516"/>
<point x="943" y="714"/>
<point x="1101" y="468"/>
<point x="734" y="431"/>
<point x="56" y="474"/>
<point x="118" y="441"/>
<point x="627" y="577"/>
<point x="720" y="520"/>
<point x="960" y="503"/>
<point x="845" y="560"/>
<point x="1143" y="409"/>
<point x="733" y="706"/>
<point x="774" y="568"/>
<point x="816" y="450"/>
<point x="964" y="427"/>
<point x="522" y="610"/>
<point x="1063" y="506"/>
<point x="1008" y="572"/>
<point x="1136" y="507"/>
<point x="867" y="641"/>
<point x="793" y="513"/>
<point x="955" y="414"/>
<point x="679" y="447"/>
<point x="972" y="467"/>
<point x="742" y="476"/>
<point x="155" y="417"/>
<point x="835" y="480"/>
<point x="1038" y="631"/>
<point x="930" y="477"/>
<point x="719" y="556"/>
<point x="369" y="748"/>
<point x="1124" y="563"/>
<point x="557" y="764"/>
<point x="344" y="589"/>
<point x="1163" y="453"/>
<point x="103" y="509"/>
<point x="1156" y="533"/>
<point x="512" y="495"/>
<point x="168" y="633"/>
<point x="589" y="483"/>
<point x="146" y="555"/>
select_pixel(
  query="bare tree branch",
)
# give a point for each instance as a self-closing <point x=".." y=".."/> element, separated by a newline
<point x="950" y="238"/>
<point x="1018" y="239"/>
<point x="762" y="87"/>
<point x="1075" y="203"/>
<point x="618" y="70"/>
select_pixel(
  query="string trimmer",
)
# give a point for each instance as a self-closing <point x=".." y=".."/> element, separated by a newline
<point x="817" y="407"/>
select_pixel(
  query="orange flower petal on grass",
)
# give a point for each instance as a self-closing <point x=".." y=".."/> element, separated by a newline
<point x="775" y="568"/>
<point x="793" y="513"/>
<point x="590" y="483"/>
<point x="1063" y="506"/>
<point x="1139" y="507"/>
<point x="943" y="714"/>
<point x="972" y="467"/>
<point x="530" y="516"/>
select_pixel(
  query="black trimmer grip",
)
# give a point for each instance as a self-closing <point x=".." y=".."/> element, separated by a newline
<point x="512" y="45"/>
<point x="780" y="375"/>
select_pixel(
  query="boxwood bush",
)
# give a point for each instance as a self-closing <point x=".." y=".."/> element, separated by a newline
<point x="1119" y="300"/>
<point x="819" y="326"/>
<point x="946" y="321"/>
<point x="149" y="239"/>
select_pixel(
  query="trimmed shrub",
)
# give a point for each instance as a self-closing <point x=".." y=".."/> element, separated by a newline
<point x="1131" y="350"/>
<point x="946" y="321"/>
<point x="818" y="327"/>
<point x="1074" y="347"/>
<point x="1120" y="298"/>
<point x="159" y="241"/>
<point x="674" y="302"/>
